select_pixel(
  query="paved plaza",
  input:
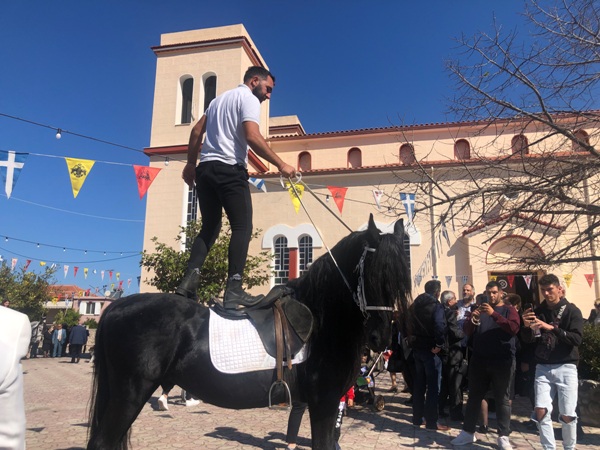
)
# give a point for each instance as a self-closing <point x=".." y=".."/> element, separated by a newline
<point x="57" y="395"/>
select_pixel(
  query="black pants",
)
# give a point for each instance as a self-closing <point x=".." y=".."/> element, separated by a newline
<point x="75" y="351"/>
<point x="481" y="374"/>
<point x="294" y="421"/>
<point x="222" y="186"/>
<point x="450" y="391"/>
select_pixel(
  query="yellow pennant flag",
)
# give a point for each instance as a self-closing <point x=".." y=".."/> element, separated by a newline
<point x="85" y="272"/>
<point x="118" y="275"/>
<point x="568" y="277"/>
<point x="78" y="171"/>
<point x="42" y="263"/>
<point x="295" y="198"/>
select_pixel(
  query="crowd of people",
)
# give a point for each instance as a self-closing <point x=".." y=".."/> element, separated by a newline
<point x="487" y="349"/>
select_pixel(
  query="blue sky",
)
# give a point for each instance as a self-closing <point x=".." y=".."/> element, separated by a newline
<point x="87" y="67"/>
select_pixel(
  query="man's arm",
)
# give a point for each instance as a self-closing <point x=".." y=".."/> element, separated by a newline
<point x="189" y="171"/>
<point x="262" y="149"/>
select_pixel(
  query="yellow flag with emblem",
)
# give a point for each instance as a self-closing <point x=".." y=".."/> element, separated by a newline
<point x="79" y="169"/>
<point x="299" y="188"/>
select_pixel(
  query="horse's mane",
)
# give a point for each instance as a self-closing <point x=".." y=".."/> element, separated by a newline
<point x="387" y="275"/>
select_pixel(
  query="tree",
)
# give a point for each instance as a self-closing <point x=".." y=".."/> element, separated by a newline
<point x="168" y="265"/>
<point x="541" y="91"/>
<point x="68" y="317"/>
<point x="27" y="291"/>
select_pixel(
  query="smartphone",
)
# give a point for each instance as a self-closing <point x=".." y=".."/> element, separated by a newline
<point x="527" y="306"/>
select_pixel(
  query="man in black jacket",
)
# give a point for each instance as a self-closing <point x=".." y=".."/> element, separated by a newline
<point x="560" y="326"/>
<point x="428" y="337"/>
<point x="452" y="359"/>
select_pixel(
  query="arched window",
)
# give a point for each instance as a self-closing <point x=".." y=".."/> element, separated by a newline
<point x="519" y="144"/>
<point x="305" y="253"/>
<point x="581" y="136"/>
<point x="281" y="260"/>
<point x="407" y="155"/>
<point x="187" y="90"/>
<point x="462" y="150"/>
<point x="210" y="90"/>
<point x="304" y="161"/>
<point x="354" y="158"/>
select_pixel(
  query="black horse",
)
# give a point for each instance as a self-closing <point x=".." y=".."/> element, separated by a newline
<point x="147" y="340"/>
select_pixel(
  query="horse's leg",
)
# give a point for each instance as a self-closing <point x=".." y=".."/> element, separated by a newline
<point x="322" y="424"/>
<point x="125" y="403"/>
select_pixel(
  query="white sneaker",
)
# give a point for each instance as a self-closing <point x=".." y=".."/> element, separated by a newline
<point x="192" y="402"/>
<point x="464" y="438"/>
<point x="162" y="403"/>
<point x="504" y="443"/>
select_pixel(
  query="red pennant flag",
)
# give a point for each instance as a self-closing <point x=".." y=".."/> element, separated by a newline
<point x="511" y="280"/>
<point x="121" y="284"/>
<point x="590" y="278"/>
<point x="145" y="176"/>
<point x="338" y="194"/>
<point x="27" y="264"/>
<point x="75" y="269"/>
<point x="110" y="274"/>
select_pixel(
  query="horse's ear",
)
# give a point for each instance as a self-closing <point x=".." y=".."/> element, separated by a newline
<point x="399" y="228"/>
<point x="373" y="231"/>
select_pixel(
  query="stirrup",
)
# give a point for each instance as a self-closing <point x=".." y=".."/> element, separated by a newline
<point x="281" y="406"/>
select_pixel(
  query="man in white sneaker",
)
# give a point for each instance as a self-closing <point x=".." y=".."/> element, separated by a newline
<point x="493" y="327"/>
<point x="560" y="326"/>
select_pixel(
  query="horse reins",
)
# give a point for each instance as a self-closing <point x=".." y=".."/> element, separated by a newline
<point x="359" y="294"/>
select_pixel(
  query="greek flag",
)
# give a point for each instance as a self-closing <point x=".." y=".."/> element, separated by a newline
<point x="408" y="200"/>
<point x="258" y="183"/>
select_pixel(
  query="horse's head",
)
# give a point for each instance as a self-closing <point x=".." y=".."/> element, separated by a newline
<point x="386" y="281"/>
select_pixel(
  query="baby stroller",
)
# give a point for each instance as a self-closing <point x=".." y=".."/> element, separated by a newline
<point x="364" y="389"/>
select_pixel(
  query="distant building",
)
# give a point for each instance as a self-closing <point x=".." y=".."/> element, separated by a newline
<point x="70" y="296"/>
<point x="195" y="66"/>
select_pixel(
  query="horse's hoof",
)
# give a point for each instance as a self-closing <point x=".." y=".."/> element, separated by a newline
<point x="162" y="403"/>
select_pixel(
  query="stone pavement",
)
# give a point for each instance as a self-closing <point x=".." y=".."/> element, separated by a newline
<point x="57" y="395"/>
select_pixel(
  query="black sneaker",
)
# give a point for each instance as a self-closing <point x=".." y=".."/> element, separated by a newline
<point x="483" y="429"/>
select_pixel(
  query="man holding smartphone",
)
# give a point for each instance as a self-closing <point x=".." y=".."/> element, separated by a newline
<point x="493" y="326"/>
<point x="558" y="325"/>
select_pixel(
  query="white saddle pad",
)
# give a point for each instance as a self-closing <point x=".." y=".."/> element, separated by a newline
<point x="235" y="346"/>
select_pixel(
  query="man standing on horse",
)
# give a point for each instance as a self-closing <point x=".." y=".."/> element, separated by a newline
<point x="231" y="125"/>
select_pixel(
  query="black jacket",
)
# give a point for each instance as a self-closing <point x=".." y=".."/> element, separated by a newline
<point x="452" y="352"/>
<point x="569" y="332"/>
<point x="428" y="322"/>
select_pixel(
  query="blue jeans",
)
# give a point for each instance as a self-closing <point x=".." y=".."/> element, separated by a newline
<point x="551" y="379"/>
<point x="427" y="387"/>
<point x="58" y="346"/>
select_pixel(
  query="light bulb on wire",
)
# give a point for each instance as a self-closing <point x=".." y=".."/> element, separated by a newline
<point x="58" y="133"/>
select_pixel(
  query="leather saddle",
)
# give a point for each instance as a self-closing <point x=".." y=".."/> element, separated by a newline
<point x="282" y="322"/>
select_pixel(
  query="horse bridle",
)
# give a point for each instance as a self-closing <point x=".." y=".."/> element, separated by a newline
<point x="359" y="295"/>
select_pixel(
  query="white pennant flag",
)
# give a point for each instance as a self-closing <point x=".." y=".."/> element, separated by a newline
<point x="66" y="269"/>
<point x="527" y="279"/>
<point x="377" y="194"/>
<point x="102" y="274"/>
<point x="448" y="280"/>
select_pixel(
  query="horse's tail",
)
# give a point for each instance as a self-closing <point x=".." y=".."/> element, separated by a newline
<point x="101" y="390"/>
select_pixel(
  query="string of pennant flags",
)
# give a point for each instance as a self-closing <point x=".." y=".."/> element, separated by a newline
<point x="12" y="163"/>
<point x="110" y="273"/>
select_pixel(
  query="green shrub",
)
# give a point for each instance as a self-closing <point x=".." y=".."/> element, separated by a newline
<point x="91" y="324"/>
<point x="589" y="353"/>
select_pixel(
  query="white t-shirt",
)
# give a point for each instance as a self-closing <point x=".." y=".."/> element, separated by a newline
<point x="225" y="139"/>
